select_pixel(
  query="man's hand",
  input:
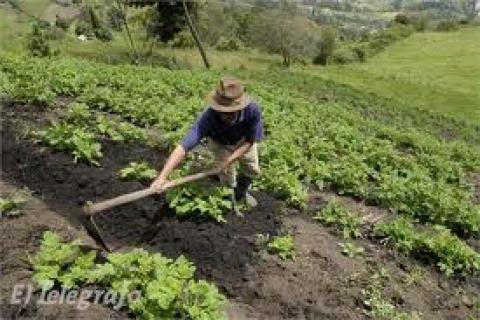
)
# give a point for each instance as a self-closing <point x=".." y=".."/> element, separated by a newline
<point x="227" y="162"/>
<point x="159" y="183"/>
<point x="235" y="155"/>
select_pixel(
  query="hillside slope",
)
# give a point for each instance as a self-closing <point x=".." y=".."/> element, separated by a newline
<point x="437" y="71"/>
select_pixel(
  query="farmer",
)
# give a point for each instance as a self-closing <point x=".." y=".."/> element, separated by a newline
<point x="233" y="125"/>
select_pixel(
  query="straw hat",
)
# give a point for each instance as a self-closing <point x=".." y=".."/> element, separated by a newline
<point x="229" y="96"/>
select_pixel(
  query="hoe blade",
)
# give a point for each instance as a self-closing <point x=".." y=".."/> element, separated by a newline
<point x="94" y="232"/>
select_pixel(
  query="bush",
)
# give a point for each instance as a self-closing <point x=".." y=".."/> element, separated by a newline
<point x="61" y="23"/>
<point x="83" y="28"/>
<point x="171" y="63"/>
<point x="183" y="40"/>
<point x="38" y="43"/>
<point x="344" y="56"/>
<point x="402" y="18"/>
<point x="326" y="46"/>
<point x="447" y="25"/>
<point x="421" y="22"/>
<point x="103" y="34"/>
<point x="114" y="18"/>
<point x="230" y="44"/>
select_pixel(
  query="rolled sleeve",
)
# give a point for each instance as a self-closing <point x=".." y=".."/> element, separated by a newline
<point x="196" y="133"/>
<point x="255" y="132"/>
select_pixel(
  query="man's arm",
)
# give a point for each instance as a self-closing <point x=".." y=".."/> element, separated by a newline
<point x="254" y="133"/>
<point x="193" y="137"/>
<point x="172" y="162"/>
<point x="236" y="154"/>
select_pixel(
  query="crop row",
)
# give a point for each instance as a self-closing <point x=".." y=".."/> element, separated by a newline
<point x="309" y="144"/>
<point x="164" y="288"/>
<point x="451" y="254"/>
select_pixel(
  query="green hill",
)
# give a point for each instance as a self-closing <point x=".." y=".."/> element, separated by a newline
<point x="437" y="71"/>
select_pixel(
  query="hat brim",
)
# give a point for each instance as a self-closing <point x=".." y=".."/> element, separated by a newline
<point x="236" y="105"/>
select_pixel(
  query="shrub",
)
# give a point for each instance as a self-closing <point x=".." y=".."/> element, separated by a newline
<point x="83" y="28"/>
<point x="326" y="46"/>
<point x="421" y="22"/>
<point x="228" y="44"/>
<point x="61" y="23"/>
<point x="183" y="40"/>
<point x="447" y="25"/>
<point x="38" y="43"/>
<point x="402" y="19"/>
<point x="171" y="62"/>
<point x="114" y="18"/>
<point x="103" y="34"/>
<point x="344" y="56"/>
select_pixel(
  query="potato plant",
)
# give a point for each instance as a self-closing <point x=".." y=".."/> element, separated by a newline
<point x="319" y="135"/>
<point x="167" y="287"/>
<point x="80" y="142"/>
<point x="451" y="253"/>
<point x="139" y="171"/>
<point x="337" y="216"/>
<point x="283" y="246"/>
<point x="11" y="205"/>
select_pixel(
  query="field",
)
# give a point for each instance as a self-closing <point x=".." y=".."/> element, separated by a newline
<point x="437" y="71"/>
<point x="369" y="196"/>
<point x="398" y="188"/>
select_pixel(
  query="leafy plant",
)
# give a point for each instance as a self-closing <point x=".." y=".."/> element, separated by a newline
<point x="351" y="250"/>
<point x="451" y="253"/>
<point x="377" y="150"/>
<point x="340" y="218"/>
<point x="210" y="201"/>
<point x="11" y="206"/>
<point x="283" y="246"/>
<point x="167" y="288"/>
<point x="118" y="130"/>
<point x="80" y="142"/>
<point x="140" y="171"/>
<point x="378" y="306"/>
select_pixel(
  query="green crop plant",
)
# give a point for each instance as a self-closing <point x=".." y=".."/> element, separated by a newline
<point x="167" y="287"/>
<point x="204" y="200"/>
<point x="11" y="205"/>
<point x="451" y="253"/>
<point x="319" y="134"/>
<point x="139" y="171"/>
<point x="350" y="249"/>
<point x="119" y="130"/>
<point x="378" y="306"/>
<point x="337" y="216"/>
<point x="283" y="246"/>
<point x="80" y="142"/>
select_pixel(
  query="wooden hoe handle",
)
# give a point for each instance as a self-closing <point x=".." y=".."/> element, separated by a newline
<point x="92" y="208"/>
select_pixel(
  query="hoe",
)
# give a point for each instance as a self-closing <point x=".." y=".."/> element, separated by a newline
<point x="91" y="209"/>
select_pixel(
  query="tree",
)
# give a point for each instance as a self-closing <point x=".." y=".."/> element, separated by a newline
<point x="171" y="17"/>
<point x="290" y="36"/>
<point x="326" y="45"/>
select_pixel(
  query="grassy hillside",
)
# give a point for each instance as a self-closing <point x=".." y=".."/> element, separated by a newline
<point x="437" y="71"/>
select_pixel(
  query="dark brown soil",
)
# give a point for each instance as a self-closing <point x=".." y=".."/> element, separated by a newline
<point x="320" y="284"/>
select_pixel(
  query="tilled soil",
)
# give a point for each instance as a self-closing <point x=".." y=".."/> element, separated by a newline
<point x="320" y="284"/>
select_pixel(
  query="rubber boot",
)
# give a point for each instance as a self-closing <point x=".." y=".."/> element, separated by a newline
<point x="241" y="191"/>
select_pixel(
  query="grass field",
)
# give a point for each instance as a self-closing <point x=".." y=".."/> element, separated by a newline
<point x="437" y="71"/>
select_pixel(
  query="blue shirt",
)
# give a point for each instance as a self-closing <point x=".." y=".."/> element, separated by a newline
<point x="248" y="127"/>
